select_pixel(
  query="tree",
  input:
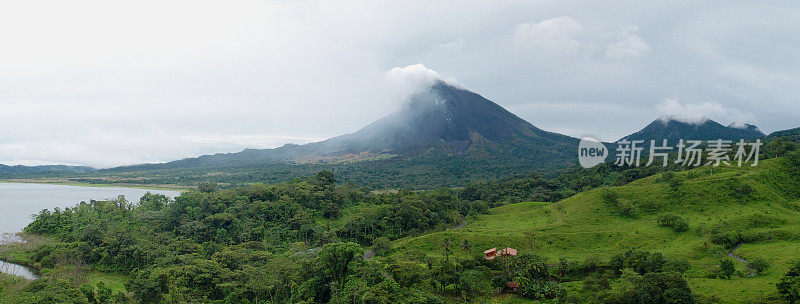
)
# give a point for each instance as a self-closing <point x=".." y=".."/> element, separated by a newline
<point x="789" y="285"/>
<point x="759" y="265"/>
<point x="447" y="247"/>
<point x="208" y="187"/>
<point x="336" y="259"/>
<point x="466" y="246"/>
<point x="531" y="267"/>
<point x="146" y="287"/>
<point x="382" y="246"/>
<point x="474" y="282"/>
<point x="726" y="269"/>
<point x="153" y="202"/>
<point x="325" y="178"/>
<point x="104" y="293"/>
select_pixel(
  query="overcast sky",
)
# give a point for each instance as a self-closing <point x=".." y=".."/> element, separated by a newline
<point x="106" y="83"/>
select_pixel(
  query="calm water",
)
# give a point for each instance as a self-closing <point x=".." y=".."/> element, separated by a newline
<point x="19" y="202"/>
<point x="17" y="270"/>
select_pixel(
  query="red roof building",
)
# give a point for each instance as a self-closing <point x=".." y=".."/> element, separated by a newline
<point x="490" y="253"/>
<point x="505" y="252"/>
<point x="508" y="251"/>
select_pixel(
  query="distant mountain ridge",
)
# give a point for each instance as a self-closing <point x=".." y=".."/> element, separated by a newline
<point x="443" y="136"/>
<point x="790" y="134"/>
<point x="674" y="130"/>
<point x="20" y="170"/>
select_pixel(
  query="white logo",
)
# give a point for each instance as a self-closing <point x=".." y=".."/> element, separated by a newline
<point x="591" y="152"/>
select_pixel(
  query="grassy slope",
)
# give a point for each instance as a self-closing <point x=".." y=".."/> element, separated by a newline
<point x="583" y="226"/>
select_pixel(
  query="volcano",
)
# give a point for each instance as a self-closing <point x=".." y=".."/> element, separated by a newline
<point x="443" y="117"/>
<point x="442" y="131"/>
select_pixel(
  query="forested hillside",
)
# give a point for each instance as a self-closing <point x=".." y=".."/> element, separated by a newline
<point x="734" y="233"/>
<point x="315" y="240"/>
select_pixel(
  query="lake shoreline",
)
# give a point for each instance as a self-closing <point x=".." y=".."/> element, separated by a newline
<point x="20" y="203"/>
<point x="77" y="184"/>
<point x="8" y="259"/>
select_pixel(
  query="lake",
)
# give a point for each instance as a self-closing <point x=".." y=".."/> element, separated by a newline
<point x="19" y="202"/>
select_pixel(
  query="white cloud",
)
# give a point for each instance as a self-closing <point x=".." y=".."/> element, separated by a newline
<point x="738" y="125"/>
<point x="453" y="46"/>
<point x="256" y="141"/>
<point x="555" y="35"/>
<point x="220" y="77"/>
<point x="416" y="76"/>
<point x="417" y="73"/>
<point x="697" y="113"/>
<point x="628" y="44"/>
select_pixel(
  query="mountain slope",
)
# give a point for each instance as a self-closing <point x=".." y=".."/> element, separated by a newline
<point x="757" y="206"/>
<point x="673" y="130"/>
<point x="22" y="171"/>
<point x="790" y="135"/>
<point x="442" y="136"/>
<point x="443" y="117"/>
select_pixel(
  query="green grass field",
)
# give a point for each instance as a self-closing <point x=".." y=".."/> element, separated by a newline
<point x="586" y="226"/>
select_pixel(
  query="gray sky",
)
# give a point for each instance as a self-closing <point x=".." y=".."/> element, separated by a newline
<point x="106" y="83"/>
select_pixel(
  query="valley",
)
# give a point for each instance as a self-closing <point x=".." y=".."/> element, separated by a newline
<point x="593" y="246"/>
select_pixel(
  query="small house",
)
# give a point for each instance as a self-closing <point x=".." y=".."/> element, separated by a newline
<point x="505" y="252"/>
<point x="490" y="253"/>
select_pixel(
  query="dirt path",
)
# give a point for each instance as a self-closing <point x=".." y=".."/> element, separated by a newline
<point x="459" y="226"/>
<point x="738" y="258"/>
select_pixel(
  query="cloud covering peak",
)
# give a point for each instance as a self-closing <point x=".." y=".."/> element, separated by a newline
<point x="699" y="113"/>
<point x="200" y="77"/>
<point x="417" y="76"/>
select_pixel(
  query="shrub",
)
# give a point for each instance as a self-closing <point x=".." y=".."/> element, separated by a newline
<point x="656" y="287"/>
<point x="729" y="239"/>
<point x="726" y="269"/>
<point x="794" y="158"/>
<point x="673" y="221"/>
<point x="759" y="265"/>
<point x="740" y="190"/>
<point x="609" y="197"/>
<point x="675" y="184"/>
<point x="534" y="289"/>
<point x="596" y="282"/>
<point x="760" y="220"/>
<point x="667" y="176"/>
<point x="589" y="265"/>
<point x="677" y="265"/>
<point x="640" y="261"/>
<point x="789" y="286"/>
<point x="628" y="210"/>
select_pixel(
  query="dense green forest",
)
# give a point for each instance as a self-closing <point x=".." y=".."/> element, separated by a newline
<point x="316" y="240"/>
<point x="237" y="236"/>
<point x="428" y="170"/>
